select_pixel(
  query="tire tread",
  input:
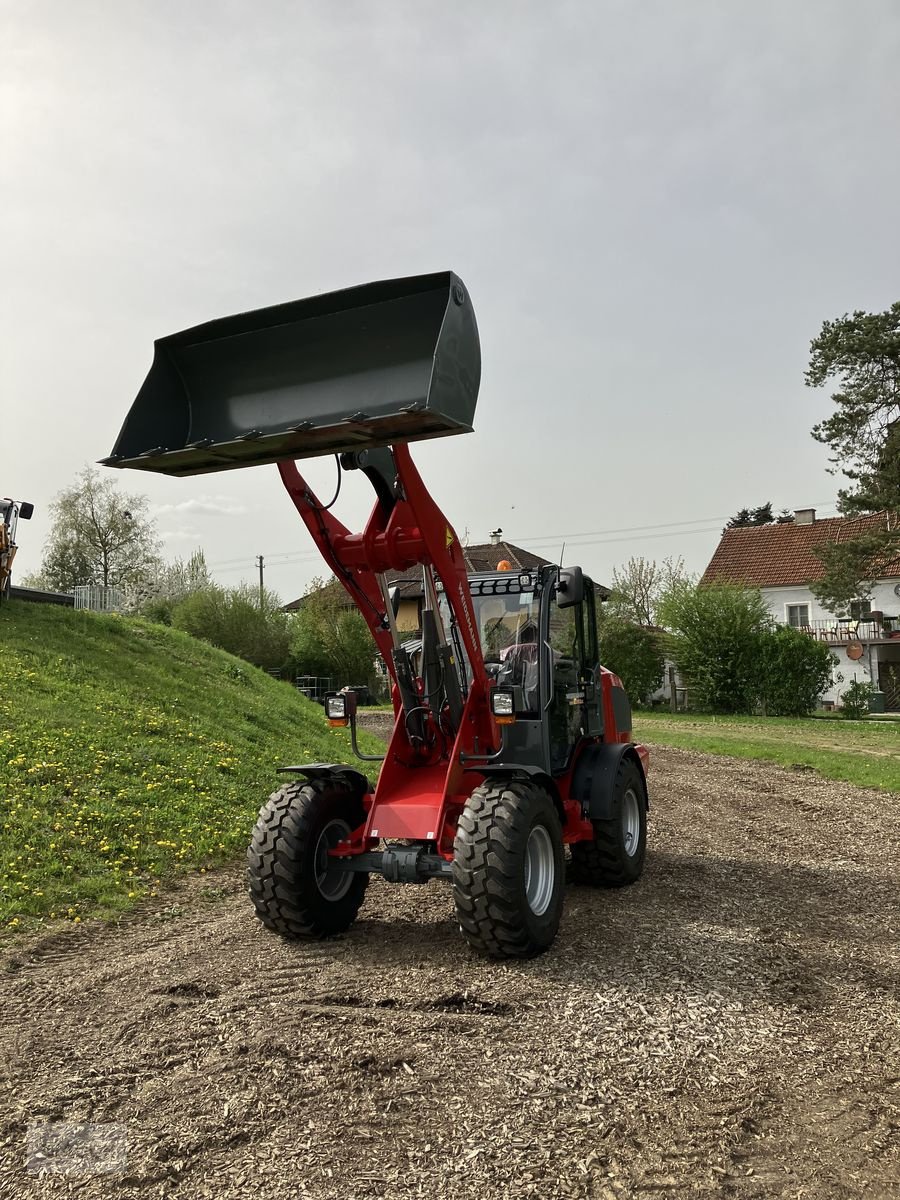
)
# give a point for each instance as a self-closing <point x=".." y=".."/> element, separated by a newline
<point x="487" y="869"/>
<point x="274" y="857"/>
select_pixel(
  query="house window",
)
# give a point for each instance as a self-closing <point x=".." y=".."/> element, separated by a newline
<point x="860" y="609"/>
<point x="797" y="614"/>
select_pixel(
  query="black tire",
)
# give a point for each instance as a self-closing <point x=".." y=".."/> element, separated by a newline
<point x="491" y="857"/>
<point x="616" y="855"/>
<point x="287" y="860"/>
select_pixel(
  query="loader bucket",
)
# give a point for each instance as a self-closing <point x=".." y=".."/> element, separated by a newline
<point x="394" y="361"/>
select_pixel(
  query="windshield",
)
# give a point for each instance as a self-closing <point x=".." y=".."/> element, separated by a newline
<point x="505" y="622"/>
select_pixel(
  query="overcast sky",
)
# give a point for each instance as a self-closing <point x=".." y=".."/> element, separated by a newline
<point x="654" y="206"/>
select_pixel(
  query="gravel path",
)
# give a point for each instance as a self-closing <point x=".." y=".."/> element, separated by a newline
<point x="726" y="1028"/>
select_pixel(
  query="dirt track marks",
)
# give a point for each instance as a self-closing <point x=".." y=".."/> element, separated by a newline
<point x="726" y="1028"/>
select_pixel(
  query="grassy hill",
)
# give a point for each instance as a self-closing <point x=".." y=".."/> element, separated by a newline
<point x="129" y="751"/>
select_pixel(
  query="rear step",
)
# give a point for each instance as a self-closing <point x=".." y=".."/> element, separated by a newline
<point x="388" y="362"/>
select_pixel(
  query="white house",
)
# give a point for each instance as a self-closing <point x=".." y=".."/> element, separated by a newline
<point x="780" y="560"/>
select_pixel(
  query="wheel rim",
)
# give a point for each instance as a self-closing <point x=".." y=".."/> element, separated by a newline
<point x="331" y="878"/>
<point x="540" y="870"/>
<point x="631" y="822"/>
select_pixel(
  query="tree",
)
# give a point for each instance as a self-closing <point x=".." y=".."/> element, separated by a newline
<point x="175" y="582"/>
<point x="859" y="355"/>
<point x="638" y="587"/>
<point x="762" y="515"/>
<point x="181" y="577"/>
<point x="330" y="639"/>
<point x="99" y="535"/>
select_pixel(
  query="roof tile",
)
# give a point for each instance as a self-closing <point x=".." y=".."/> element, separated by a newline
<point x="784" y="555"/>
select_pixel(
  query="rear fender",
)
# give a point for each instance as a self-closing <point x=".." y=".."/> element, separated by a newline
<point x="594" y="777"/>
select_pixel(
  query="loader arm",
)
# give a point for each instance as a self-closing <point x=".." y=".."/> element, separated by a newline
<point x="406" y="529"/>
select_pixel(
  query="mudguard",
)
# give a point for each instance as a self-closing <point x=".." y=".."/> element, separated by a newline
<point x="523" y="771"/>
<point x="356" y="779"/>
<point x="594" y="777"/>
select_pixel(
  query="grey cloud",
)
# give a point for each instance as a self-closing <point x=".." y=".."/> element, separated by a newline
<point x="654" y="207"/>
<point x="207" y="506"/>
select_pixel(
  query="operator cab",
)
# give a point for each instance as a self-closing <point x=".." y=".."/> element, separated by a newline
<point x="538" y="634"/>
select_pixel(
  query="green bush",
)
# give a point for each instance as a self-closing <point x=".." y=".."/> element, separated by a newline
<point x="855" y="699"/>
<point x="735" y="659"/>
<point x="159" y="610"/>
<point x="715" y="640"/>
<point x="233" y="620"/>
<point x="794" y="670"/>
<point x="634" y="653"/>
<point x="330" y="638"/>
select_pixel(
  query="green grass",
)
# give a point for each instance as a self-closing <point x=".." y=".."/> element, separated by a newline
<point x="129" y="751"/>
<point x="861" y="752"/>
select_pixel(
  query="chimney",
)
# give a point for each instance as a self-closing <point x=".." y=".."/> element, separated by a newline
<point x="496" y="534"/>
<point x="805" y="516"/>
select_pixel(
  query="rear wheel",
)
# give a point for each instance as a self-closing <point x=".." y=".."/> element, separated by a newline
<point x="615" y="856"/>
<point x="509" y="869"/>
<point x="297" y="888"/>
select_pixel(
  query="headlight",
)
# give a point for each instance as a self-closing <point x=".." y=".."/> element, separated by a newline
<point x="336" y="708"/>
<point x="503" y="705"/>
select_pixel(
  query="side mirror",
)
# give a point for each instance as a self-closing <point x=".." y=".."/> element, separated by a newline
<point x="570" y="587"/>
<point x="26" y="511"/>
<point x="394" y="597"/>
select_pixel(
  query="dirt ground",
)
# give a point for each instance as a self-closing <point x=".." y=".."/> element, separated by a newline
<point x="726" y="1028"/>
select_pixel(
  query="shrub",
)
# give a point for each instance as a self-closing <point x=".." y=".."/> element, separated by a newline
<point x="715" y="639"/>
<point x="794" y="670"/>
<point x="633" y="652"/>
<point x="158" y="610"/>
<point x="855" y="699"/>
<point x="232" y="619"/>
<point x="328" y="638"/>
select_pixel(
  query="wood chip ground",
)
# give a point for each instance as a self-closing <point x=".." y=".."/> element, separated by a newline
<point x="729" y="1027"/>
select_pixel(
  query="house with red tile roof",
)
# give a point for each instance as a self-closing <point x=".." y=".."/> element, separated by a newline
<point x="781" y="561"/>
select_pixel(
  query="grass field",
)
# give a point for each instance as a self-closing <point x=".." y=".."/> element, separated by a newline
<point x="129" y="751"/>
<point x="861" y="752"/>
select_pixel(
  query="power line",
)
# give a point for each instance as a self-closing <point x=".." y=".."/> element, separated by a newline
<point x="595" y="537"/>
<point x="638" y="537"/>
<point x="556" y="537"/>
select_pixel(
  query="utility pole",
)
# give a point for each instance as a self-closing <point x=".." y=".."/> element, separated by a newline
<point x="259" y="563"/>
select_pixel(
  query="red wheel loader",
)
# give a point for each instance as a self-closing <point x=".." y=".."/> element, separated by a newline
<point x="510" y="741"/>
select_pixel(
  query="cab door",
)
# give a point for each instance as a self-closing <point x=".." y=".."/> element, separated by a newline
<point x="574" y="710"/>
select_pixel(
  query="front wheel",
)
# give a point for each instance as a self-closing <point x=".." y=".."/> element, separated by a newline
<point x="297" y="888"/>
<point x="615" y="855"/>
<point x="509" y="870"/>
